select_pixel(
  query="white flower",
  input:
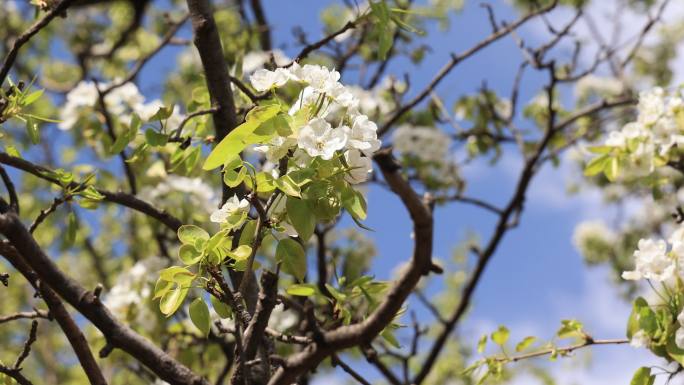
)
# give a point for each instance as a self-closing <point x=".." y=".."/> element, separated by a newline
<point x="363" y="135"/>
<point x="318" y="77"/>
<point x="197" y="192"/>
<point x="318" y="138"/>
<point x="233" y="206"/>
<point x="598" y="85"/>
<point x="652" y="262"/>
<point x="360" y="166"/>
<point x="83" y="95"/>
<point x="264" y="80"/>
<point x="277" y="148"/>
<point x="677" y="242"/>
<point x="133" y="288"/>
<point x="651" y="106"/>
<point x="306" y="97"/>
<point x="639" y="339"/>
<point x="426" y="143"/>
<point x="589" y="231"/>
<point x="680" y="318"/>
<point x="679" y="338"/>
<point x="257" y="59"/>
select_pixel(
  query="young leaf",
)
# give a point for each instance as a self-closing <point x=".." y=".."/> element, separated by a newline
<point x="189" y="234"/>
<point x="293" y="258"/>
<point x="302" y="290"/>
<point x="288" y="186"/>
<point x="240" y="137"/>
<point x="482" y="343"/>
<point x="172" y="300"/>
<point x="221" y="308"/>
<point x="500" y="337"/>
<point x="199" y="314"/>
<point x="32" y="129"/>
<point x="643" y="377"/>
<point x="525" y="343"/>
<point x="301" y="216"/>
<point x="189" y="254"/>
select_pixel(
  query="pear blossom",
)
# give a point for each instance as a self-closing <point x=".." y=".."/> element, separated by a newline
<point x="264" y="80"/>
<point x="233" y="206"/>
<point x="133" y="289"/>
<point x="277" y="148"/>
<point x="360" y="167"/>
<point x="652" y="262"/>
<point x="363" y="135"/>
<point x="195" y="191"/>
<point x="425" y="143"/>
<point x="318" y="138"/>
<point x="679" y="337"/>
<point x="640" y="339"/>
<point x="257" y="59"/>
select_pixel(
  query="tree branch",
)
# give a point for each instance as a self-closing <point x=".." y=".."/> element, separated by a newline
<point x="117" y="334"/>
<point x="59" y="9"/>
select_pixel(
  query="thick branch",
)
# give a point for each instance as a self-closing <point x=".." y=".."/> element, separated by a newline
<point x="208" y="43"/>
<point x="117" y="334"/>
<point x="59" y="312"/>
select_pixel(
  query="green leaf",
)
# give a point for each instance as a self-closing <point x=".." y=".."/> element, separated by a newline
<point x="189" y="254"/>
<point x="72" y="228"/>
<point x="525" y="343"/>
<point x="596" y="165"/>
<point x="155" y="139"/>
<point x="570" y="328"/>
<point x="161" y="114"/>
<point x="482" y="343"/>
<point x="12" y="151"/>
<point x="600" y="149"/>
<point x="354" y="202"/>
<point x="189" y="234"/>
<point x="288" y="186"/>
<point x="388" y="335"/>
<point x="223" y="310"/>
<point x="293" y="258"/>
<point x="91" y="192"/>
<point x="642" y="377"/>
<point x="32" y="97"/>
<point x="612" y="168"/>
<point x="199" y="314"/>
<point x="240" y="137"/>
<point x="171" y="300"/>
<point x="241" y="253"/>
<point x="233" y="178"/>
<point x="302" y="290"/>
<point x="301" y="216"/>
<point x="32" y="129"/>
<point x="500" y="336"/>
<point x="633" y="322"/>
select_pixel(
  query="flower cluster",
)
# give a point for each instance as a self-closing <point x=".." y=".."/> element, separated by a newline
<point x="654" y="262"/>
<point x="654" y="136"/>
<point x="195" y="192"/>
<point x="594" y="240"/>
<point x="121" y="102"/>
<point x="333" y="123"/>
<point x="426" y="150"/>
<point x="234" y="206"/>
<point x="593" y="85"/>
<point x="130" y="296"/>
